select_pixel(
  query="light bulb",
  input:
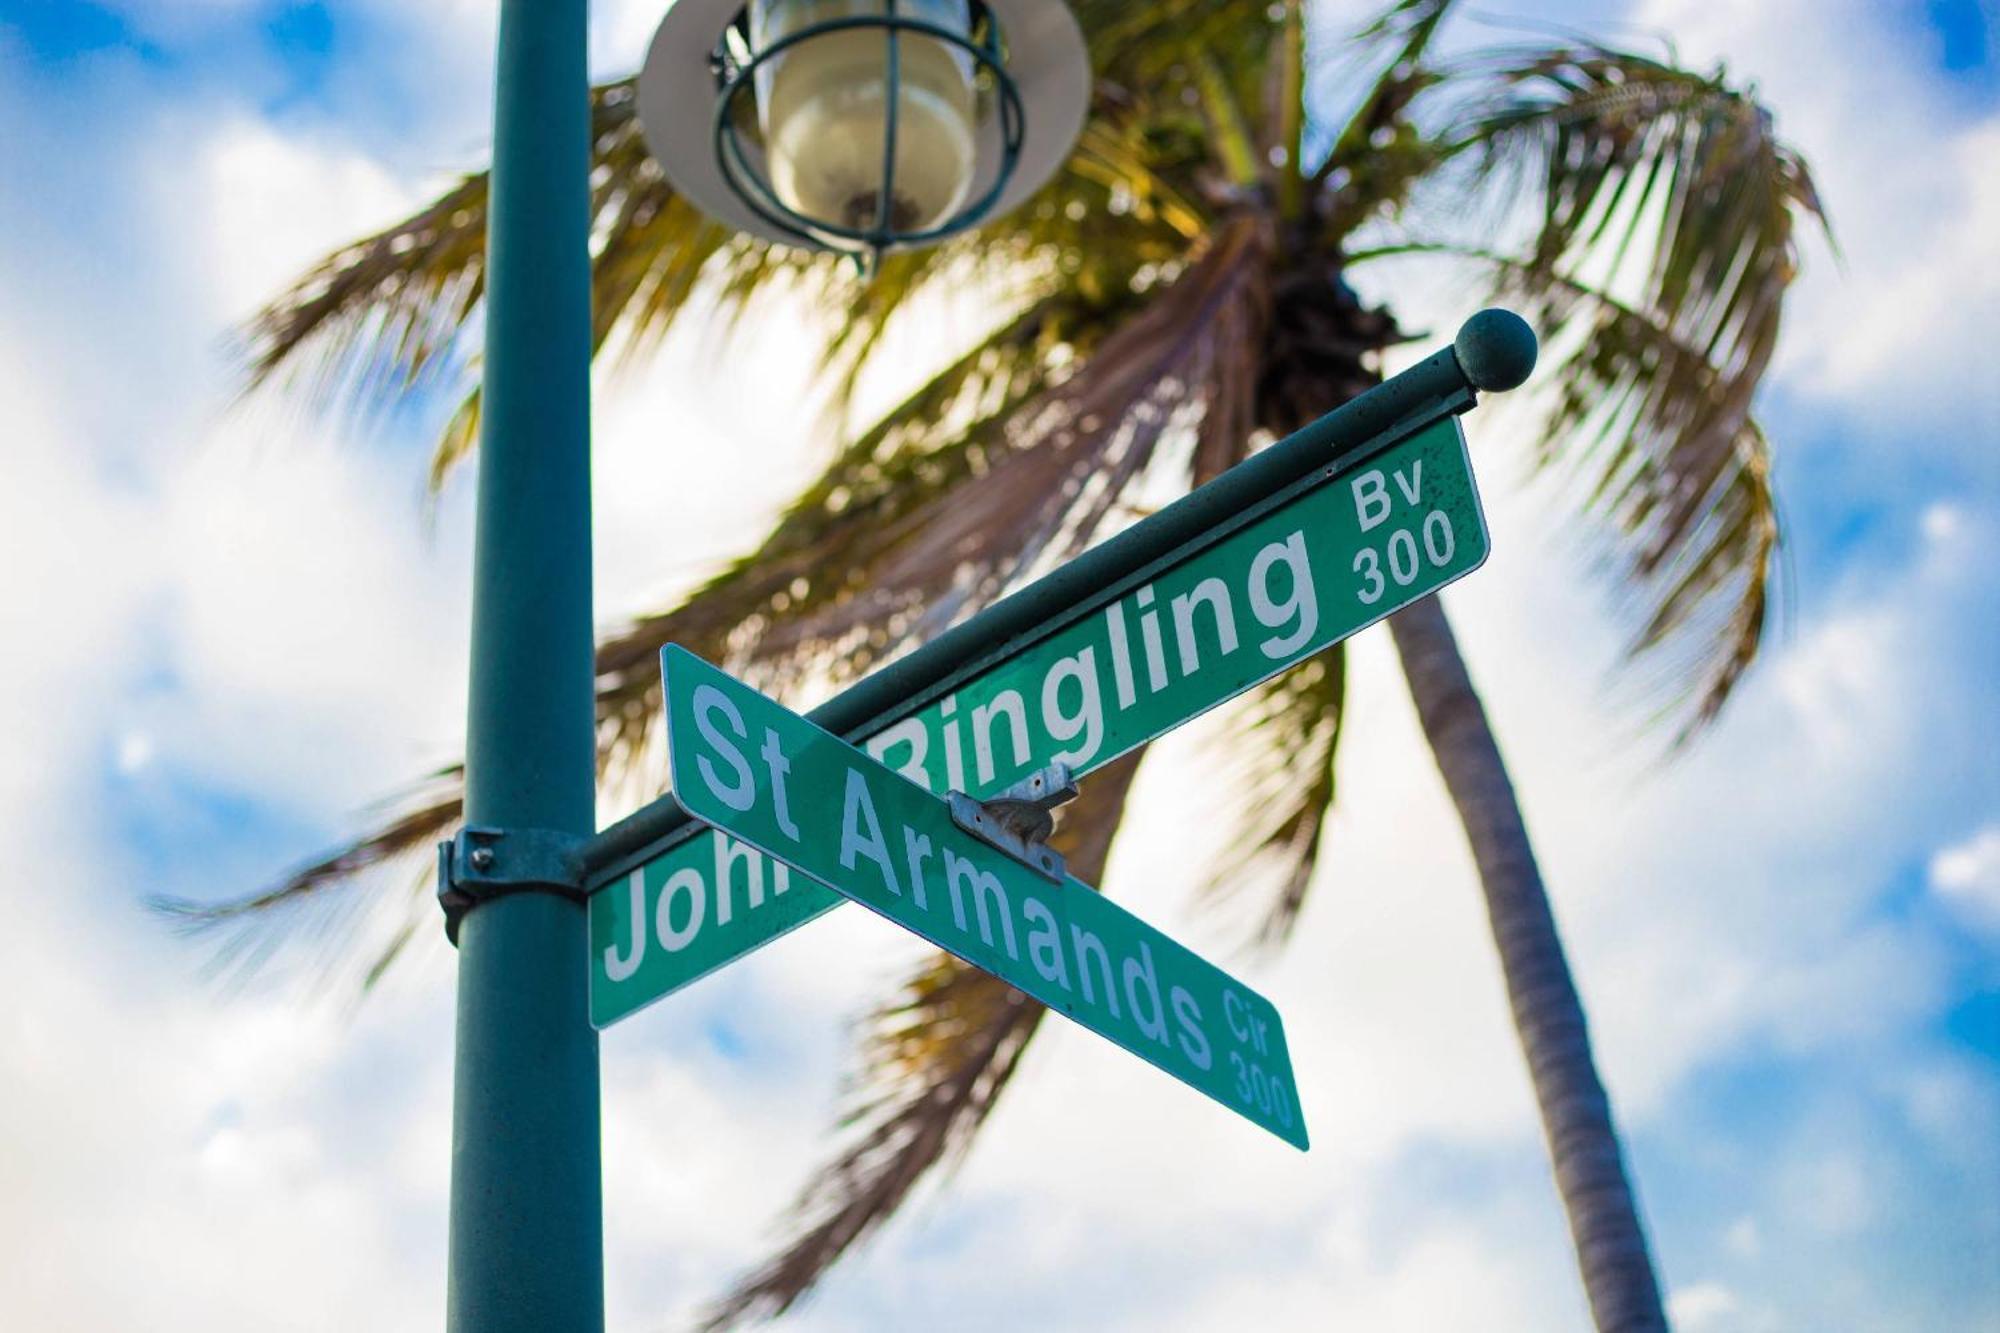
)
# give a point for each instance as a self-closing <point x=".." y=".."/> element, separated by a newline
<point x="823" y="107"/>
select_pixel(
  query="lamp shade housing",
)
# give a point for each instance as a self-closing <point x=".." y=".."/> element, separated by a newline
<point x="862" y="125"/>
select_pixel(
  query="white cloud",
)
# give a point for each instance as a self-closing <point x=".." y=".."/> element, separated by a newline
<point x="1899" y="328"/>
<point x="1953" y="1102"/>
<point x="275" y="204"/>
<point x="168" y="1159"/>
<point x="1828" y="1192"/>
<point x="70" y="581"/>
<point x="305" y="578"/>
<point x="1690" y="944"/>
<point x="135" y="751"/>
<point x="1967" y="876"/>
<point x="697" y="448"/>
<point x="1941" y="522"/>
<point x="191" y="1138"/>
<point x="294" y="637"/>
<point x="1705" y="1305"/>
<point x="1916" y="303"/>
<point x="620" y="33"/>
<point x="1449" y="1278"/>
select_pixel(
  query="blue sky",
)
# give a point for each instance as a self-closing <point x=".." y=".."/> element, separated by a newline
<point x="230" y="632"/>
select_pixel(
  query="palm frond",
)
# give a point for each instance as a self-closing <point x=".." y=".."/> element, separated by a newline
<point x="394" y="313"/>
<point x="869" y="482"/>
<point x="859" y="566"/>
<point x="1674" y="461"/>
<point x="936" y="511"/>
<point x="1665" y="242"/>
<point x="934" y="1063"/>
<point x="1149" y="45"/>
<point x="919" y="451"/>
<point x="369" y="320"/>
<point x="1229" y="127"/>
<point x="391" y="313"/>
<point x="455" y="442"/>
<point x="1276" y="759"/>
<point x="313" y="899"/>
<point x="1285" y="114"/>
<point x="1381" y="152"/>
<point x="1059" y="466"/>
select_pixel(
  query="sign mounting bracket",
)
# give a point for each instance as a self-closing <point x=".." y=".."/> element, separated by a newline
<point x="1019" y="820"/>
<point x="482" y="863"/>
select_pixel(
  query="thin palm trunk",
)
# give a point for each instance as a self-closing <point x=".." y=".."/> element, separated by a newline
<point x="1576" y="1114"/>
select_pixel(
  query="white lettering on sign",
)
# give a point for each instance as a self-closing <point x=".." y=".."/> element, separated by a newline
<point x="618" y="965"/>
<point x="1411" y="483"/>
<point x="1300" y="608"/>
<point x="1420" y="535"/>
<point x="1067" y="718"/>
<point x="966" y="880"/>
<point x="917" y="847"/>
<point x="873" y="835"/>
<point x="1008" y="705"/>
<point x="861" y="832"/>
<point x="776" y="766"/>
<point x="1214" y="594"/>
<point x="1016" y="922"/>
<point x="1142" y="994"/>
<point x="683" y="883"/>
<point x="1149" y="630"/>
<point x="1194" y="1041"/>
<point x="1086" y="719"/>
<point x="737" y="795"/>
<point x="730" y="854"/>
<point x="1371" y="500"/>
<point x="685" y="899"/>
<point x="1207" y="622"/>
<point x="910" y="732"/>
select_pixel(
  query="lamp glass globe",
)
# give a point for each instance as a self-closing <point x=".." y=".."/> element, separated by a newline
<point x="823" y="108"/>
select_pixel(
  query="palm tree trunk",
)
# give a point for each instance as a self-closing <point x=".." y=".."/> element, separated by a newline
<point x="1576" y="1114"/>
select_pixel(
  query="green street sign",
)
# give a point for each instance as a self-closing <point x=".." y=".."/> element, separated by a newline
<point x="1348" y="547"/>
<point x="809" y="800"/>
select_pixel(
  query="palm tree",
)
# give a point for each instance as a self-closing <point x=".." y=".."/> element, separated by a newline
<point x="1176" y="296"/>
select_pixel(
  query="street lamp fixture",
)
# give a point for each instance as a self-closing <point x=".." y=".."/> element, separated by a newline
<point x="862" y="126"/>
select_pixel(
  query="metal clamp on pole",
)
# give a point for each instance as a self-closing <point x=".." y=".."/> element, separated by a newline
<point x="485" y="863"/>
<point x="1019" y="820"/>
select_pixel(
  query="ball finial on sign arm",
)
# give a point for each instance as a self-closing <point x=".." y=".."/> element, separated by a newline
<point x="1496" y="349"/>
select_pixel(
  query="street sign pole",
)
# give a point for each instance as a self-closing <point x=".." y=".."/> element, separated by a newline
<point x="526" y="1248"/>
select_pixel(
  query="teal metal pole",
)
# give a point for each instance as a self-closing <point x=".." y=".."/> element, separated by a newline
<point x="527" y="1218"/>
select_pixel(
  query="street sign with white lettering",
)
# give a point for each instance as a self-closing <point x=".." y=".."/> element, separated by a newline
<point x="809" y="800"/>
<point x="1344" y="549"/>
